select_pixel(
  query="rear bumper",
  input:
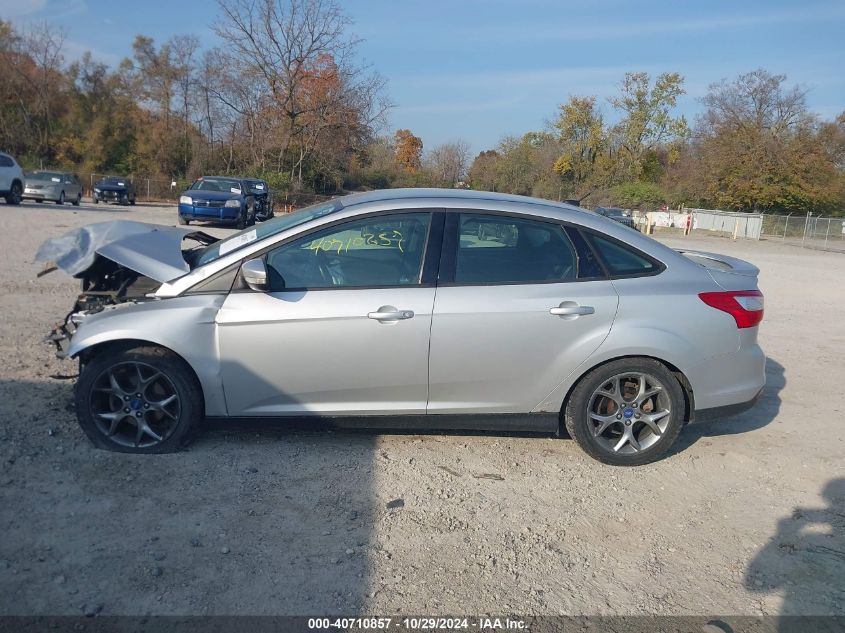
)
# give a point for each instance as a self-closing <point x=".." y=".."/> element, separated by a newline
<point x="726" y="411"/>
<point x="729" y="380"/>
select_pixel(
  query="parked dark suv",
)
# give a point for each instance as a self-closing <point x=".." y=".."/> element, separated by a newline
<point x="114" y="189"/>
<point x="617" y="215"/>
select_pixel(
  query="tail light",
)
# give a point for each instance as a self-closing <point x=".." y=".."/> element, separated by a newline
<point x="745" y="306"/>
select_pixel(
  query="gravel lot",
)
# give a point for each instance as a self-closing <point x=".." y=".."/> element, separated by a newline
<point x="747" y="517"/>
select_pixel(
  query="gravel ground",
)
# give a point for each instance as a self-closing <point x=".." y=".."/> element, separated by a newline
<point x="746" y="517"/>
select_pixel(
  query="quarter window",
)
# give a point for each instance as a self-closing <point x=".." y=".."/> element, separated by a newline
<point x="621" y="259"/>
<point x="384" y="250"/>
<point x="5" y="161"/>
<point x="499" y="249"/>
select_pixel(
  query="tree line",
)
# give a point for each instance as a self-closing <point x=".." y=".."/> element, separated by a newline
<point x="756" y="147"/>
<point x="285" y="97"/>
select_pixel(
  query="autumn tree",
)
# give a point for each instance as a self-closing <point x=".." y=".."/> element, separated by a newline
<point x="647" y="121"/>
<point x="31" y="91"/>
<point x="760" y="149"/>
<point x="408" y="150"/>
<point x="583" y="139"/>
<point x="483" y="172"/>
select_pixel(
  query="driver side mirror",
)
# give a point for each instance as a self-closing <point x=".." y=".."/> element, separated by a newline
<point x="255" y="274"/>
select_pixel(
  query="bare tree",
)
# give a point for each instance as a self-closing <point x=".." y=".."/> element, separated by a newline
<point x="448" y="163"/>
<point x="299" y="54"/>
<point x="759" y="100"/>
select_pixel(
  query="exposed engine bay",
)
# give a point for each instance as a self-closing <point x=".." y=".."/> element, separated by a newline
<point x="117" y="262"/>
<point x="105" y="283"/>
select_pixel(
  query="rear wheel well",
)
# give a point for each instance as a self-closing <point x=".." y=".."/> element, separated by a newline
<point x="686" y="388"/>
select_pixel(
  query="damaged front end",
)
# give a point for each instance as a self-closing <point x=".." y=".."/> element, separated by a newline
<point x="117" y="262"/>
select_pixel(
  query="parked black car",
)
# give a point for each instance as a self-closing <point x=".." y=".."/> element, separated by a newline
<point x="263" y="205"/>
<point x="617" y="215"/>
<point x="114" y="189"/>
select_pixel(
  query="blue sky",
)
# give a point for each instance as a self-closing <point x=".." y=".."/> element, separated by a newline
<point x="480" y="69"/>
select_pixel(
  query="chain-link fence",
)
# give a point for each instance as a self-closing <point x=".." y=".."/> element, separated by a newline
<point x="809" y="231"/>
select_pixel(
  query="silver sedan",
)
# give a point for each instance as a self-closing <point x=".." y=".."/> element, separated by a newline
<point x="54" y="186"/>
<point x="430" y="309"/>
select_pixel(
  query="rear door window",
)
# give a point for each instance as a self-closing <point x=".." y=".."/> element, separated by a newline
<point x="495" y="249"/>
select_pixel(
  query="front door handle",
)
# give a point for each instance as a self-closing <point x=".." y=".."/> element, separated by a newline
<point x="571" y="309"/>
<point x="389" y="313"/>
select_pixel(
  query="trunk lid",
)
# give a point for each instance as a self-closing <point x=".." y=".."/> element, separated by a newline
<point x="150" y="250"/>
<point x="730" y="273"/>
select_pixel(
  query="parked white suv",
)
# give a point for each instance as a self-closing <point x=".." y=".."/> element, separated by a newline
<point x="11" y="179"/>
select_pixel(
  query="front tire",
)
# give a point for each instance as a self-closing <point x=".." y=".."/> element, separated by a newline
<point x="183" y="220"/>
<point x="61" y="199"/>
<point x="15" y="195"/>
<point x="242" y="222"/>
<point x="627" y="412"/>
<point x="78" y="200"/>
<point x="139" y="400"/>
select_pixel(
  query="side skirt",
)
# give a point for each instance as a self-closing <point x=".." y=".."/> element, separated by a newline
<point x="504" y="422"/>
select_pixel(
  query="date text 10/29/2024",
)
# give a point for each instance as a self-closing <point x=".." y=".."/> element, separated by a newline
<point x="418" y="624"/>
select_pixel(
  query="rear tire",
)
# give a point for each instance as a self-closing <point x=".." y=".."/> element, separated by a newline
<point x="139" y="400"/>
<point x="78" y="200"/>
<point x="636" y="398"/>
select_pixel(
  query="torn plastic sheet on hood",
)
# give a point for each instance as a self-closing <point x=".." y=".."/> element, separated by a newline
<point x="152" y="250"/>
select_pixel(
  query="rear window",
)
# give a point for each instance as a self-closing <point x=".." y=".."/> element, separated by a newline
<point x="620" y="259"/>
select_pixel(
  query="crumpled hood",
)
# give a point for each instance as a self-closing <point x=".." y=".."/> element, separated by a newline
<point x="152" y="250"/>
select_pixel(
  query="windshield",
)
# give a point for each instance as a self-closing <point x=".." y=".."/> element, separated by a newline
<point x="45" y="176"/>
<point x="217" y="184"/>
<point x="112" y="180"/>
<point x="265" y="229"/>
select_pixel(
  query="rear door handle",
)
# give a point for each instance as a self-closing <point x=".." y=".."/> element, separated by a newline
<point x="389" y="313"/>
<point x="571" y="309"/>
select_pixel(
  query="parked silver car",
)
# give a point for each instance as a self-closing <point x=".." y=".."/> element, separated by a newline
<point x="55" y="186"/>
<point x="394" y="309"/>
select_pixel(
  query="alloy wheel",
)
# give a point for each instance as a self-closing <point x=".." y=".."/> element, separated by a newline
<point x="135" y="405"/>
<point x="629" y="413"/>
